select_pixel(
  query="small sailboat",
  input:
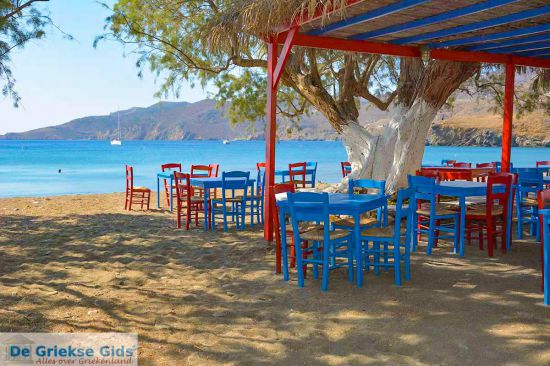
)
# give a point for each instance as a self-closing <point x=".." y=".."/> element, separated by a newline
<point x="225" y="142"/>
<point x="117" y="141"/>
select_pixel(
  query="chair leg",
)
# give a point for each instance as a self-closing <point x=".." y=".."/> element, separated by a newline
<point x="491" y="239"/>
<point x="126" y="200"/>
<point x="396" y="261"/>
<point x="324" y="280"/>
<point x="131" y="199"/>
<point x="299" y="264"/>
<point x="430" y="236"/>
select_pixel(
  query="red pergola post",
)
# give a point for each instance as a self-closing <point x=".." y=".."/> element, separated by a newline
<point x="270" y="135"/>
<point x="508" y="117"/>
<point x="275" y="68"/>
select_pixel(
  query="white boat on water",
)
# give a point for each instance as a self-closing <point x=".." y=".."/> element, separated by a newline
<point x="117" y="141"/>
<point x="226" y="142"/>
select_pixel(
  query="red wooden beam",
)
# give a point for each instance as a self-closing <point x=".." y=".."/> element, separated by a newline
<point x="339" y="44"/>
<point x="270" y="134"/>
<point x="508" y="117"/>
<point x="283" y="58"/>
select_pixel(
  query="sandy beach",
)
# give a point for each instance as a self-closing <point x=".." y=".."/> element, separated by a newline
<point x="83" y="264"/>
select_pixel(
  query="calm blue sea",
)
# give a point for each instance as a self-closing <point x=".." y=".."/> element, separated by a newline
<point x="30" y="168"/>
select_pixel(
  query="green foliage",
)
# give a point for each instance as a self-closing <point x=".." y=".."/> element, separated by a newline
<point x="20" y="22"/>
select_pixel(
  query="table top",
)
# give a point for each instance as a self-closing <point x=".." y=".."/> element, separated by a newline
<point x="216" y="182"/>
<point x="341" y="203"/>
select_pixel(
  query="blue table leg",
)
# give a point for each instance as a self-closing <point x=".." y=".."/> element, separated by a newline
<point x="171" y="193"/>
<point x="158" y="192"/>
<point x="206" y="194"/>
<point x="358" y="251"/>
<point x="462" y="224"/>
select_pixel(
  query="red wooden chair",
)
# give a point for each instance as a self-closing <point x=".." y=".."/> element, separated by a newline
<point x="346" y="168"/>
<point x="174" y="167"/>
<point x="462" y="165"/>
<point x="495" y="211"/>
<point x="450" y="162"/>
<point x="276" y="189"/>
<point x="429" y="174"/>
<point x="135" y="194"/>
<point x="297" y="174"/>
<point x="493" y="167"/>
<point x="186" y="202"/>
<point x="200" y="171"/>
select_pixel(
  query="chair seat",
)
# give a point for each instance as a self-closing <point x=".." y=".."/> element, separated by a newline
<point x="350" y="222"/>
<point x="228" y="200"/>
<point x="302" y="227"/>
<point x="317" y="234"/>
<point x="528" y="201"/>
<point x="381" y="232"/>
<point x="439" y="211"/>
<point x="480" y="211"/>
<point x="197" y="199"/>
<point x="141" y="189"/>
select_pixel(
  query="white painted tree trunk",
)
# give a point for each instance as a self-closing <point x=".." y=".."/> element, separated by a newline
<point x="389" y="149"/>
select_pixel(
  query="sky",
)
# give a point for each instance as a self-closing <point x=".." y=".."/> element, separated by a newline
<point x="60" y="80"/>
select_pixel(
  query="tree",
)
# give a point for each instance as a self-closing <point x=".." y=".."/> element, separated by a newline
<point x="220" y="42"/>
<point x="20" y="22"/>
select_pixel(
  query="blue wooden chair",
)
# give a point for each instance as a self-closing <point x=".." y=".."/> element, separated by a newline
<point x="321" y="246"/>
<point x="374" y="187"/>
<point x="395" y="240"/>
<point x="230" y="205"/>
<point x="311" y="176"/>
<point x="427" y="216"/>
<point x="256" y="199"/>
<point x="529" y="182"/>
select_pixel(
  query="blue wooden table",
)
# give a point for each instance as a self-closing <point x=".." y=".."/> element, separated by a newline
<point x="461" y="190"/>
<point x="546" y="254"/>
<point x="340" y="204"/>
<point x="212" y="183"/>
<point x="168" y="176"/>
<point x="311" y="170"/>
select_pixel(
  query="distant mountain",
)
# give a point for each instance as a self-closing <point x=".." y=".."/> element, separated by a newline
<point x="470" y="123"/>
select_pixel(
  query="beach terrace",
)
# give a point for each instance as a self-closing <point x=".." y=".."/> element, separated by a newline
<point x="440" y="264"/>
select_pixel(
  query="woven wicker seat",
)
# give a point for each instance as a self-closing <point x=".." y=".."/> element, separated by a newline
<point x="528" y="201"/>
<point x="350" y="222"/>
<point x="317" y="234"/>
<point x="481" y="211"/>
<point x="439" y="211"/>
<point x="381" y="232"/>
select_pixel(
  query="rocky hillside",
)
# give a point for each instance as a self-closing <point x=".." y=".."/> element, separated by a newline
<point x="469" y="123"/>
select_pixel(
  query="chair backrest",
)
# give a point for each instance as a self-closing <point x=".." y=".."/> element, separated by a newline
<point x="497" y="197"/>
<point x="308" y="207"/>
<point x="260" y="182"/>
<point x="543" y="163"/>
<point x="261" y="165"/>
<point x="370" y="185"/>
<point x="429" y="174"/>
<point x="311" y="172"/>
<point x="533" y="179"/>
<point x="183" y="188"/>
<point x="457" y="176"/>
<point x="462" y="165"/>
<point x="129" y="177"/>
<point x="214" y="170"/>
<point x="297" y="174"/>
<point x="485" y="165"/>
<point x="201" y="171"/>
<point x="448" y="162"/>
<point x="401" y="210"/>
<point x="543" y="198"/>
<point x="524" y="170"/>
<point x="345" y="166"/>
<point x="171" y="167"/>
<point x="241" y="184"/>
<point x="424" y="188"/>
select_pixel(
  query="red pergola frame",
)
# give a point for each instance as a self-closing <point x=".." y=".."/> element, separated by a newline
<point x="291" y="37"/>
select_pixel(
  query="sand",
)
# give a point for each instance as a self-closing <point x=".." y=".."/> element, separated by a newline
<point x="83" y="264"/>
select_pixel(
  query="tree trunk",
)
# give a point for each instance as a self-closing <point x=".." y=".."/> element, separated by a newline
<point x="392" y="149"/>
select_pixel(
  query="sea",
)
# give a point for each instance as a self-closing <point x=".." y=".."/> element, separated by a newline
<point x="47" y="168"/>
